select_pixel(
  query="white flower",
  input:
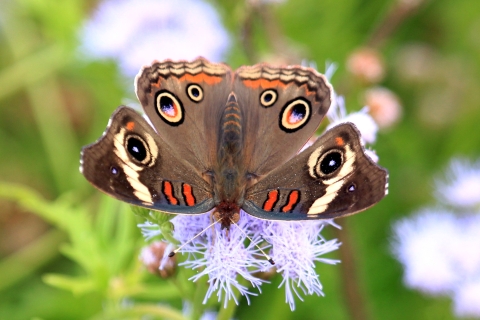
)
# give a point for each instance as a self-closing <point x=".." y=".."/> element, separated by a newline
<point x="296" y="246"/>
<point x="225" y="257"/>
<point x="362" y="120"/>
<point x="149" y="230"/>
<point x="466" y="298"/>
<point x="461" y="186"/>
<point x="440" y="253"/>
<point x="138" y="32"/>
<point x="423" y="245"/>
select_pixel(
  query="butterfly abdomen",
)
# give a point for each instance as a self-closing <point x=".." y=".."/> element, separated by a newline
<point x="230" y="175"/>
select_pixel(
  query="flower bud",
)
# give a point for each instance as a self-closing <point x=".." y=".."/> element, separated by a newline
<point x="155" y="258"/>
<point x="367" y="65"/>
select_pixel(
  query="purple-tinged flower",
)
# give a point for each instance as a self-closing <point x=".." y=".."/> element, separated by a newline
<point x="296" y="246"/>
<point x="423" y="246"/>
<point x="461" y="186"/>
<point x="222" y="256"/>
<point x="440" y="254"/>
<point x="466" y="298"/>
<point x="141" y="31"/>
<point x="149" y="230"/>
<point x="155" y="258"/>
<point x="231" y="261"/>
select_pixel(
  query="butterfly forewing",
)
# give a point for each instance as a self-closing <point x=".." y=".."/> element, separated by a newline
<point x="282" y="108"/>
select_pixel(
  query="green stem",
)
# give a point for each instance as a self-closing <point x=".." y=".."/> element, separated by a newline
<point x="197" y="306"/>
<point x="152" y="311"/>
<point x="27" y="260"/>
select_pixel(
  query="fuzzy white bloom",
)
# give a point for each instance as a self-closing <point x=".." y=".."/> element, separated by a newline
<point x="372" y="155"/>
<point x="229" y="260"/>
<point x="423" y="245"/>
<point x="440" y="253"/>
<point x="362" y="120"/>
<point x="149" y="230"/>
<point x="466" y="299"/>
<point x="296" y="246"/>
<point x="461" y="185"/>
<point x="141" y="31"/>
<point x="223" y="257"/>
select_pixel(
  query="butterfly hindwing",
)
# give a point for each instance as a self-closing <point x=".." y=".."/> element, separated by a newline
<point x="132" y="163"/>
<point x="332" y="178"/>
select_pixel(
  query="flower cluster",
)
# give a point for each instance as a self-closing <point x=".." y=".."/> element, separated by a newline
<point x="439" y="246"/>
<point x="234" y="262"/>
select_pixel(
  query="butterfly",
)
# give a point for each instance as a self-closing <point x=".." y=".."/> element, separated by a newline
<point x="227" y="141"/>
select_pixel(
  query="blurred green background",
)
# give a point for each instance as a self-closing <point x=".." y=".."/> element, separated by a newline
<point x="57" y="232"/>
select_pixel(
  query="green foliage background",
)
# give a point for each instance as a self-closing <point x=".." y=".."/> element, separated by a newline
<point x="68" y="252"/>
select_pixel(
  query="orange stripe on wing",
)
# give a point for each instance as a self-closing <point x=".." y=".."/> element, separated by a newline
<point x="201" y="77"/>
<point x="271" y="200"/>
<point x="168" y="192"/>
<point x="264" y="83"/>
<point x="188" y="194"/>
<point x="293" y="199"/>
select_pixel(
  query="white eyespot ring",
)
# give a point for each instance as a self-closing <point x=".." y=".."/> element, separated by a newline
<point x="295" y="114"/>
<point x="195" y="92"/>
<point x="268" y="98"/>
<point x="169" y="108"/>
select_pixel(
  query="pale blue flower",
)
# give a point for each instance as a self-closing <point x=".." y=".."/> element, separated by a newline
<point x="149" y="230"/>
<point x="230" y="260"/>
<point x="461" y="185"/>
<point x="137" y="32"/>
<point x="296" y="246"/>
<point x="439" y="247"/>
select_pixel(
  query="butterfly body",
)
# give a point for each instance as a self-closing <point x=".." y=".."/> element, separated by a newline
<point x="227" y="141"/>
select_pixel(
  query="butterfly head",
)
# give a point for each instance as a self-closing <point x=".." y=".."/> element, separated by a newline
<point x="227" y="213"/>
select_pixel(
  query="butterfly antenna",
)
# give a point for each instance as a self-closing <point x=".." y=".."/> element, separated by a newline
<point x="171" y="254"/>
<point x="266" y="255"/>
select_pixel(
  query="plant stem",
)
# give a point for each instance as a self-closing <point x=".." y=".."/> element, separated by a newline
<point x="150" y="311"/>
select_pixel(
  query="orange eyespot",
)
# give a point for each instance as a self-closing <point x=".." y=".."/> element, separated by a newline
<point x="169" y="108"/>
<point x="295" y="115"/>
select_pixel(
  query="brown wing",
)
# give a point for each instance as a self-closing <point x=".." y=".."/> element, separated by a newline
<point x="185" y="102"/>
<point x="282" y="108"/>
<point x="332" y="178"/>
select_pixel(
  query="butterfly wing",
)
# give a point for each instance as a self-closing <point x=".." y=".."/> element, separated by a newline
<point x="332" y="178"/>
<point x="132" y="163"/>
<point x="185" y="102"/>
<point x="282" y="108"/>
